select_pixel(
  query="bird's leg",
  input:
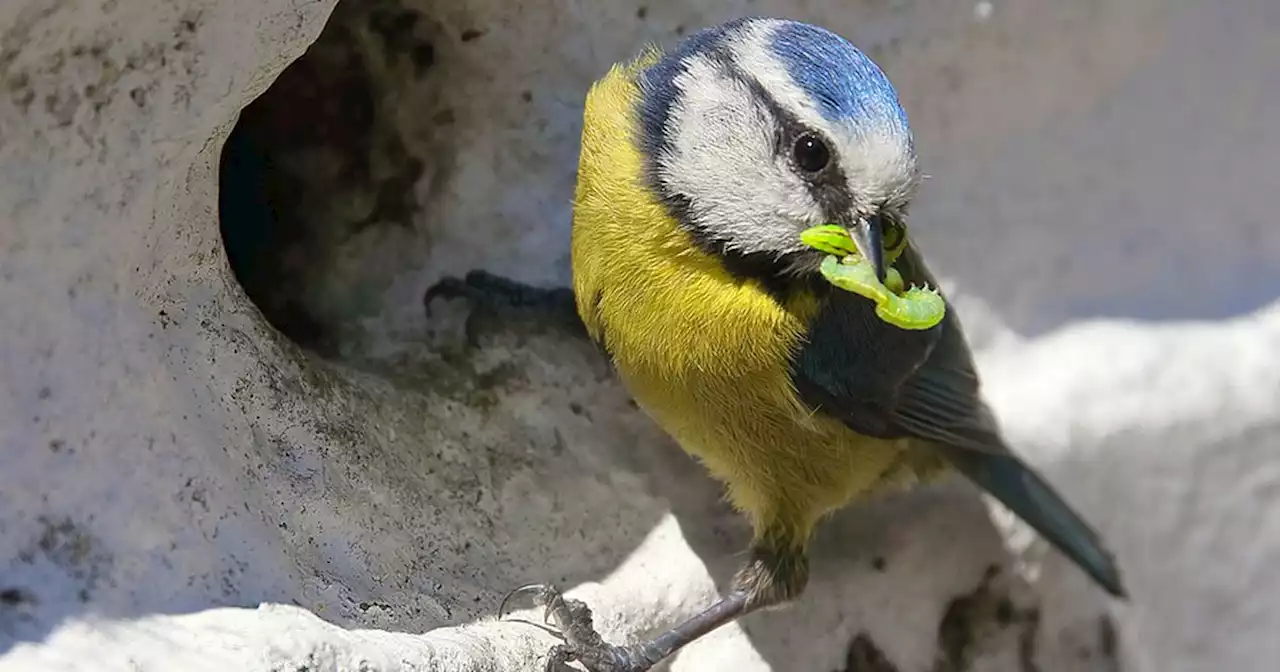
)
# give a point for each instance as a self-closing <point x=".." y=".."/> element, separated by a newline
<point x="768" y="579"/>
<point x="493" y="296"/>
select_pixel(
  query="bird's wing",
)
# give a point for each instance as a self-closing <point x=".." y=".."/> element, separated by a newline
<point x="886" y="382"/>
<point x="942" y="400"/>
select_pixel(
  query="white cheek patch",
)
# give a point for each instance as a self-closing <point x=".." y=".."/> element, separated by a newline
<point x="723" y="159"/>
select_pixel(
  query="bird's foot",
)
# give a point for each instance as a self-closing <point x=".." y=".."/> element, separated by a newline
<point x="582" y="643"/>
<point x="495" y="297"/>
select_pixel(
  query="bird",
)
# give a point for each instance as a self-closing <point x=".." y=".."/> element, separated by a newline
<point x="700" y="166"/>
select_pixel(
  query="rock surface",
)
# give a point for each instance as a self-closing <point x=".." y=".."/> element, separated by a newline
<point x="169" y="460"/>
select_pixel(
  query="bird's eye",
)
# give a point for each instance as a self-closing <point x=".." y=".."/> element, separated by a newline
<point x="811" y="153"/>
<point x="893" y="233"/>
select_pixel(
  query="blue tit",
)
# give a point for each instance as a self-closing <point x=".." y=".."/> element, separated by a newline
<point x="699" y="169"/>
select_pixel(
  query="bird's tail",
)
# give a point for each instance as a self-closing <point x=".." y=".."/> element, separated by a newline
<point x="1021" y="489"/>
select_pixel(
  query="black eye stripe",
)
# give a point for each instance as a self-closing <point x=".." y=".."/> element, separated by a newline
<point x="828" y="186"/>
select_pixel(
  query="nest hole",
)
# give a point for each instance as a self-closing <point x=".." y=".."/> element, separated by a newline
<point x="318" y="164"/>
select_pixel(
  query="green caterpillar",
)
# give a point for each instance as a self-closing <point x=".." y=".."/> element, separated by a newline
<point x="915" y="308"/>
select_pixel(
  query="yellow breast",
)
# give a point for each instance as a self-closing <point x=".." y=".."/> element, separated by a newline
<point x="703" y="352"/>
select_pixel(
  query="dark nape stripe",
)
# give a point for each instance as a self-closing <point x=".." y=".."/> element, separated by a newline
<point x="829" y="188"/>
<point x="658" y="89"/>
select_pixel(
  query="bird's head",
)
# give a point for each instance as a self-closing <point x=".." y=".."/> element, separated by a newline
<point x="758" y="129"/>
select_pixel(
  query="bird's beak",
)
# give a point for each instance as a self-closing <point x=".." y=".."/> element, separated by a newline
<point x="868" y="235"/>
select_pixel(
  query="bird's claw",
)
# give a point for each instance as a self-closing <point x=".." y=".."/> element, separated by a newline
<point x="471" y="288"/>
<point x="527" y="588"/>
<point x="490" y="295"/>
<point x="582" y="643"/>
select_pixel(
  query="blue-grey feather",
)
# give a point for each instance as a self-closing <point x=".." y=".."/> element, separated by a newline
<point x="1028" y="496"/>
<point x="843" y="81"/>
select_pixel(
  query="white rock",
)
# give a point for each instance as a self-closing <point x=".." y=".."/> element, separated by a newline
<point x="168" y="462"/>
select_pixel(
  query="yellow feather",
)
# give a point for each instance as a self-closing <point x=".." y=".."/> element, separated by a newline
<point x="704" y="353"/>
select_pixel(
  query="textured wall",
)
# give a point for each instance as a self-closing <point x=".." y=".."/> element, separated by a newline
<point x="168" y="461"/>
